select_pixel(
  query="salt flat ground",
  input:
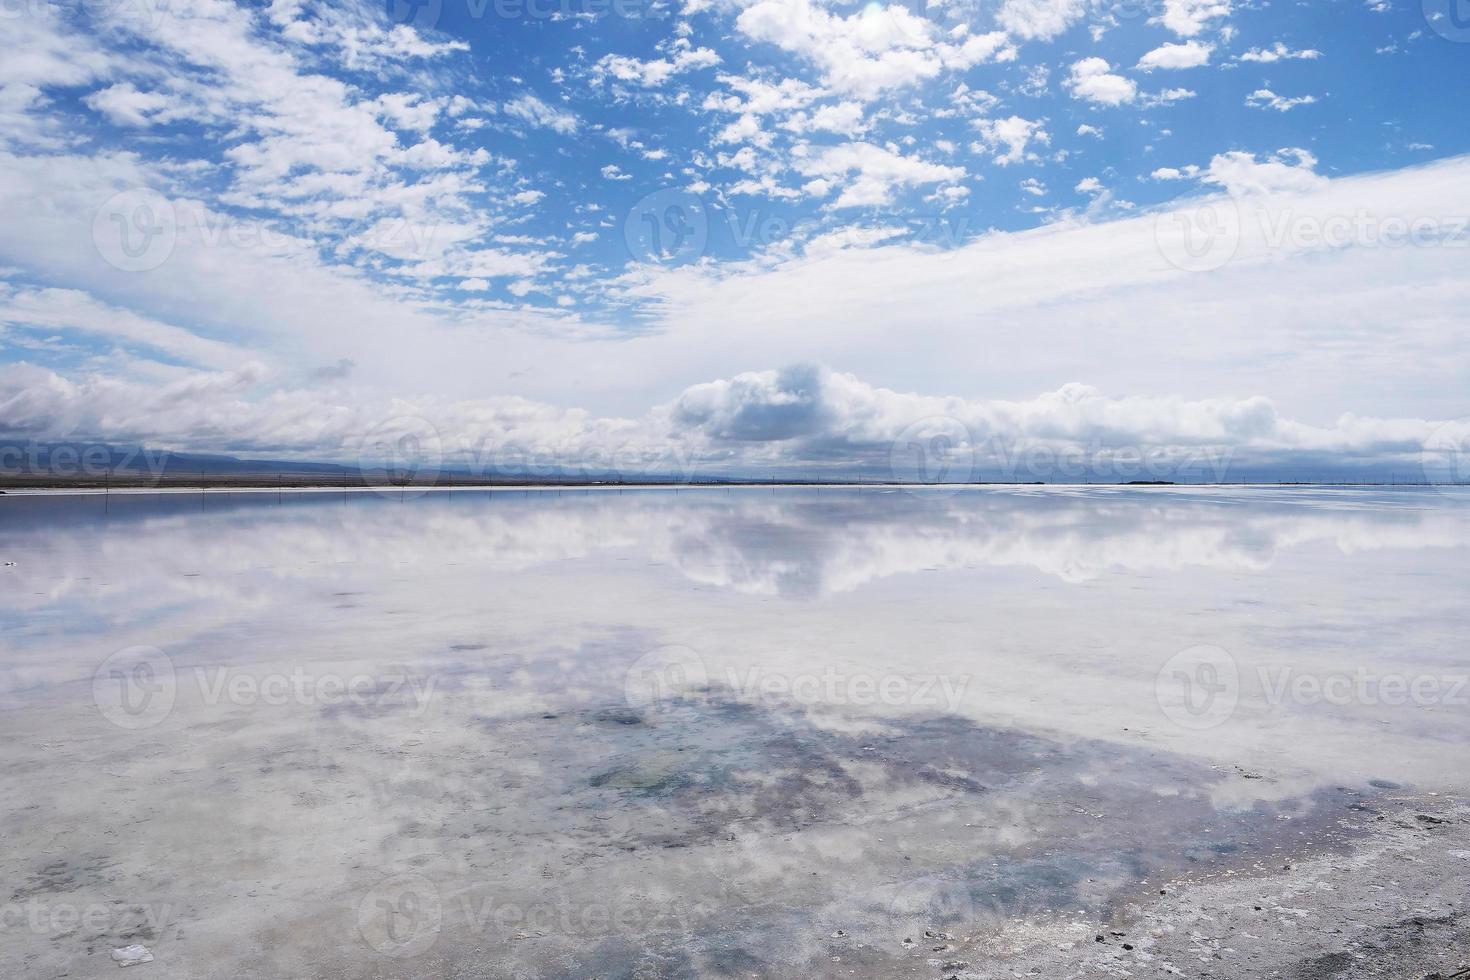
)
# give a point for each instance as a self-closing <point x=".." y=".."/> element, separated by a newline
<point x="753" y="732"/>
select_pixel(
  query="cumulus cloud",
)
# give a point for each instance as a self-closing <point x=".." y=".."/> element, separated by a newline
<point x="1175" y="173"/>
<point x="1264" y="98"/>
<point x="1280" y="52"/>
<point x="338" y="156"/>
<point x="876" y="49"/>
<point x="1040" y="19"/>
<point x="789" y="416"/>
<point x="1074" y="289"/>
<point x="1188" y="18"/>
<point x="1093" y="79"/>
<point x="1009" y="139"/>
<point x="845" y="118"/>
<point x="1288" y="171"/>
<point x="655" y="72"/>
<point x="1190" y="54"/>
<point x="870" y="174"/>
<point x="125" y="105"/>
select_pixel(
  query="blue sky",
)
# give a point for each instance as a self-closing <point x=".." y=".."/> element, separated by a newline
<point x="734" y="232"/>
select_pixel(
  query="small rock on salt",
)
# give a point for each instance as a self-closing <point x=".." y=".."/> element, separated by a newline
<point x="132" y="955"/>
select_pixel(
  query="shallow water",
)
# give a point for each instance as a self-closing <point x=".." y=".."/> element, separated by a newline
<point x="713" y="732"/>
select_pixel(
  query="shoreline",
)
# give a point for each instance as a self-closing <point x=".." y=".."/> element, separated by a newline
<point x="305" y="486"/>
<point x="1394" y="903"/>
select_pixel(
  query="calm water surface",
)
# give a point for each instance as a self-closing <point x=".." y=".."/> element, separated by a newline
<point x="711" y="733"/>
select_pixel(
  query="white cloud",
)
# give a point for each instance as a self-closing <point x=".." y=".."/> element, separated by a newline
<point x="1280" y="52"/>
<point x="1092" y="79"/>
<point x="845" y="118"/>
<point x="125" y="105"/>
<point x="870" y="174"/>
<point x="408" y="110"/>
<point x="852" y="237"/>
<point x="1190" y="54"/>
<point x="52" y="57"/>
<point x="531" y="110"/>
<point x="1013" y="133"/>
<point x="1289" y="171"/>
<point x="1188" y="18"/>
<point x="873" y="50"/>
<point x="1264" y="98"/>
<point x="1040" y="19"/>
<point x="1397" y="311"/>
<point x="787" y="415"/>
<point x="335" y="159"/>
<point x="1166" y="96"/>
<point x="758" y="97"/>
<point x="1175" y="173"/>
<point x="655" y="72"/>
<point x="59" y="310"/>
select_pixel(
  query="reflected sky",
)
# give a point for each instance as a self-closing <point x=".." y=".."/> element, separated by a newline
<point x="874" y="712"/>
